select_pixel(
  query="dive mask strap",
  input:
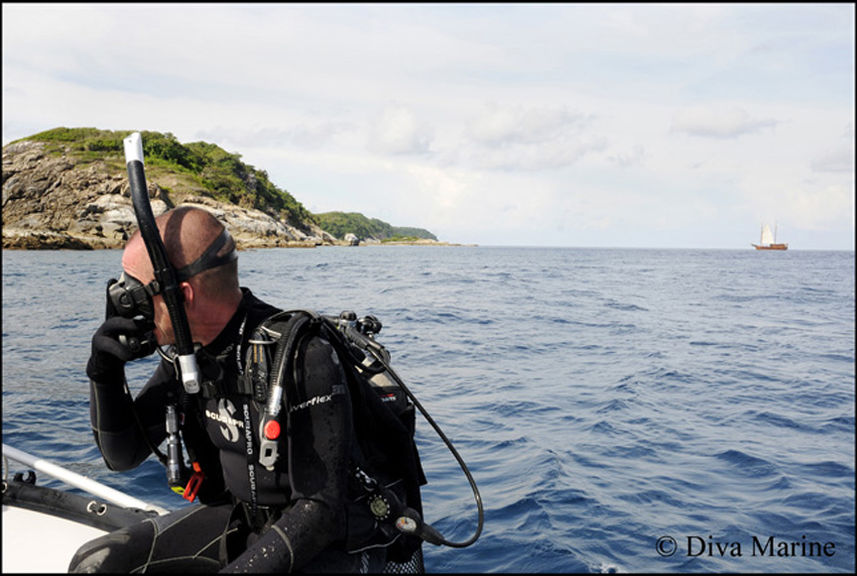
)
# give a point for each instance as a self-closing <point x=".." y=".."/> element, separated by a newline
<point x="209" y="258"/>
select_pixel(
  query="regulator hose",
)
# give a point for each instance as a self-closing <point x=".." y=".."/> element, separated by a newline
<point x="412" y="524"/>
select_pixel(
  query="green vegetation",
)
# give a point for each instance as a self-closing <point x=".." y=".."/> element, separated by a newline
<point x="341" y="223"/>
<point x="217" y="172"/>
<point x="210" y="170"/>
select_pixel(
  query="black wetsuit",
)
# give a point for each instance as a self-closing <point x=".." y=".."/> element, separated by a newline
<point x="252" y="520"/>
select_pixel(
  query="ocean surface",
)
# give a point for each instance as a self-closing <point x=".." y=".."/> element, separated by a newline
<point x="620" y="410"/>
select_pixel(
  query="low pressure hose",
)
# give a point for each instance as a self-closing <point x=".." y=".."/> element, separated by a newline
<point x="412" y="523"/>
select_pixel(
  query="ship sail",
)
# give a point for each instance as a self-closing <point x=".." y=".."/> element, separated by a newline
<point x="768" y="241"/>
<point x="767" y="237"/>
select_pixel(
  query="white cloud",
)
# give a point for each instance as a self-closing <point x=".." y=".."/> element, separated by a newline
<point x="397" y="131"/>
<point x="839" y="160"/>
<point x="840" y="156"/>
<point x="635" y="155"/>
<point x="578" y="123"/>
<point x="819" y="208"/>
<point x="498" y="126"/>
<point x="533" y="138"/>
<point x="719" y="121"/>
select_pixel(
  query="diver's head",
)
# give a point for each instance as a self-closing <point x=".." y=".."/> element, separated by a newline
<point x="204" y="257"/>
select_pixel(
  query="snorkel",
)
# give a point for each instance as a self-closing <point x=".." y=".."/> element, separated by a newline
<point x="168" y="285"/>
<point x="165" y="275"/>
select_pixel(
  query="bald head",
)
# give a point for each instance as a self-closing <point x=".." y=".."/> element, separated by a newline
<point x="210" y="297"/>
<point x="186" y="232"/>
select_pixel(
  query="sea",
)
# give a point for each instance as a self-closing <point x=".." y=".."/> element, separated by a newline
<point x="620" y="410"/>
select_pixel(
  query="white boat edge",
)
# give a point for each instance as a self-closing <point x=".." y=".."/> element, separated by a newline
<point x="50" y="553"/>
<point x="74" y="479"/>
<point x="41" y="530"/>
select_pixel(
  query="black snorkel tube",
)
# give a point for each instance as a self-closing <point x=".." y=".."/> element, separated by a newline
<point x="165" y="275"/>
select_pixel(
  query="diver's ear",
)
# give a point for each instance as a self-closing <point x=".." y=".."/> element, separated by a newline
<point x="188" y="294"/>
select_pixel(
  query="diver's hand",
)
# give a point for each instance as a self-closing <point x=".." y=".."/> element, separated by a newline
<point x="117" y="341"/>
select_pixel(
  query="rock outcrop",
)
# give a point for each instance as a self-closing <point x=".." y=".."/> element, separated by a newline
<point x="52" y="201"/>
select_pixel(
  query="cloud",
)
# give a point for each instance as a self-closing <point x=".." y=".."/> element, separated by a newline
<point x="300" y="134"/>
<point x="523" y="138"/>
<point x="518" y="125"/>
<point x="535" y="157"/>
<point x="718" y="122"/>
<point x="841" y="157"/>
<point x="625" y="159"/>
<point x="397" y="131"/>
<point x="511" y="119"/>
<point x="820" y="208"/>
<point x="839" y="160"/>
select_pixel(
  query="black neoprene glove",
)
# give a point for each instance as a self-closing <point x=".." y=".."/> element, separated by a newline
<point x="117" y="341"/>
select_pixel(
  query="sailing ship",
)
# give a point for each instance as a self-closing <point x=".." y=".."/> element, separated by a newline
<point x="768" y="241"/>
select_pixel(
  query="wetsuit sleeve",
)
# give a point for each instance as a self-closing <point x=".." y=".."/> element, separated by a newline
<point x="319" y="439"/>
<point x="111" y="411"/>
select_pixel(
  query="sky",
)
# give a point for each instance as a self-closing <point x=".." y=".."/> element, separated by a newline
<point x="580" y="125"/>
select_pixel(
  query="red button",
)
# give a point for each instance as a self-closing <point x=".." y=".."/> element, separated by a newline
<point x="272" y="430"/>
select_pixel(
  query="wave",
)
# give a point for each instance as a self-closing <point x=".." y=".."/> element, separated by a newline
<point x="746" y="465"/>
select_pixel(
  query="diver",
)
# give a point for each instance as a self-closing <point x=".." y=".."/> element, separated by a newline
<point x="291" y="515"/>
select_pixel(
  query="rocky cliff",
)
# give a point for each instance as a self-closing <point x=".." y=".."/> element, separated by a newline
<point x="55" y="198"/>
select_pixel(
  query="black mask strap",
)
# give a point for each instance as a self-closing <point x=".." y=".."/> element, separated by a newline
<point x="209" y="258"/>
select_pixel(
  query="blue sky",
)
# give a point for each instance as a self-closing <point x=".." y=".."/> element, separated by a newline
<point x="628" y="125"/>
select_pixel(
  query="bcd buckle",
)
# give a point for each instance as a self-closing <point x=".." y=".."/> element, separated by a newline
<point x="194" y="483"/>
<point x="269" y="434"/>
<point x="189" y="491"/>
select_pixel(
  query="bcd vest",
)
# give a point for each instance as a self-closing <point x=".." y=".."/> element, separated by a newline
<point x="385" y="472"/>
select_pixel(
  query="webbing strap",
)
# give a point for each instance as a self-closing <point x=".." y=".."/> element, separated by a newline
<point x="209" y="258"/>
